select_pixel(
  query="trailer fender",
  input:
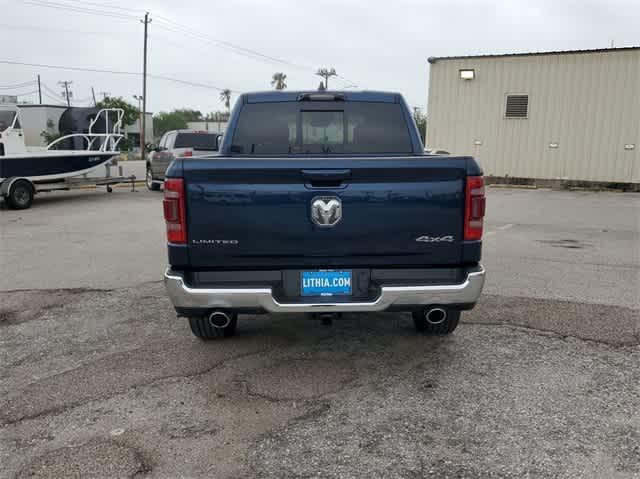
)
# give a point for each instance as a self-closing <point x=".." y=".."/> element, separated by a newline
<point x="5" y="186"/>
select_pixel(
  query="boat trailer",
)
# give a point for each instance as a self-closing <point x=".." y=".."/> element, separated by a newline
<point x="18" y="192"/>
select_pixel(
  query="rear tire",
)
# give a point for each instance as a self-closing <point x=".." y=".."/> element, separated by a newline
<point x="445" y="327"/>
<point x="151" y="185"/>
<point x="20" y="195"/>
<point x="201" y="328"/>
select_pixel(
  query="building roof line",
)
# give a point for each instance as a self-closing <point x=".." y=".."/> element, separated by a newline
<point x="528" y="54"/>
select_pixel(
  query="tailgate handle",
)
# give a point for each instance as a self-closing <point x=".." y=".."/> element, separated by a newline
<point x="326" y="178"/>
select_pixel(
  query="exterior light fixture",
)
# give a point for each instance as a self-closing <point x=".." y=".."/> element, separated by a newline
<point x="468" y="74"/>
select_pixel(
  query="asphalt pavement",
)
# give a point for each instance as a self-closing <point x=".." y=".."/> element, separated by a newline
<point x="100" y="379"/>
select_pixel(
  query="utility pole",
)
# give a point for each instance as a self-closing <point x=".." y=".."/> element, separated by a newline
<point x="39" y="90"/>
<point x="67" y="94"/>
<point x="139" y="98"/>
<point x="93" y="94"/>
<point x="143" y="145"/>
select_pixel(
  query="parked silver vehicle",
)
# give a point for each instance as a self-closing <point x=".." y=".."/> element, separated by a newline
<point x="178" y="143"/>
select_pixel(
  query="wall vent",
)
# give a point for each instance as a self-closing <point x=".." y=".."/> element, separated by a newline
<point x="517" y="106"/>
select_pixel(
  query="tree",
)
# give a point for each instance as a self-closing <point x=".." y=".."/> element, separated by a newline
<point x="167" y="121"/>
<point x="174" y="120"/>
<point x="217" y="116"/>
<point x="131" y="113"/>
<point x="188" y="114"/>
<point x="225" y="96"/>
<point x="326" y="73"/>
<point x="278" y="80"/>
<point x="421" y="123"/>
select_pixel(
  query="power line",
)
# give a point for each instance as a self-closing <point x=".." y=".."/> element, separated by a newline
<point x="115" y="72"/>
<point x="77" y="9"/>
<point x="25" y="93"/>
<point x="50" y="97"/>
<point x="39" y="28"/>
<point x="17" y="85"/>
<point x="112" y="7"/>
<point x="59" y="67"/>
<point x="51" y="94"/>
<point x="176" y="27"/>
<point x="11" y="85"/>
<point x="182" y="29"/>
<point x="189" y="31"/>
<point x="190" y="83"/>
<point x="224" y="44"/>
<point x="50" y="90"/>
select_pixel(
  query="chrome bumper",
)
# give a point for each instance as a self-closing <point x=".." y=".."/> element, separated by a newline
<point x="183" y="296"/>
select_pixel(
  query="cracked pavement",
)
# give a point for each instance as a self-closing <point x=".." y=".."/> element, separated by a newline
<point x="100" y="379"/>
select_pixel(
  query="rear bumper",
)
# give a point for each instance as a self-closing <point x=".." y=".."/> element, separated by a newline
<point x="185" y="297"/>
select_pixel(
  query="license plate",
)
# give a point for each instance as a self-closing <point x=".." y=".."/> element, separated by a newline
<point x="325" y="283"/>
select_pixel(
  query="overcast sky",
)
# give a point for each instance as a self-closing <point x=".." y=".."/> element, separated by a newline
<point x="373" y="44"/>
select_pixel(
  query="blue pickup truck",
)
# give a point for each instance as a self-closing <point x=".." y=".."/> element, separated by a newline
<point x="324" y="203"/>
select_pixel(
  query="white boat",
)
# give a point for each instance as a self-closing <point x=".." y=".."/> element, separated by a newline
<point x="97" y="146"/>
<point x="71" y="155"/>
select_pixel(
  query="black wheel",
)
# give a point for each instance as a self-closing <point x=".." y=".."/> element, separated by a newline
<point x="20" y="195"/>
<point x="203" y="327"/>
<point x="151" y="185"/>
<point x="441" y="321"/>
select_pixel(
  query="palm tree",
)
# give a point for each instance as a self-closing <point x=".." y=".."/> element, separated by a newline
<point x="326" y="73"/>
<point x="278" y="80"/>
<point x="225" y="96"/>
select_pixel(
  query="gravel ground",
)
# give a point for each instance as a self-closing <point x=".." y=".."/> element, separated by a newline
<point x="101" y="380"/>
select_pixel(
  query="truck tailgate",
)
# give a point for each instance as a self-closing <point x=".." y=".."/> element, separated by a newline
<point x="405" y="211"/>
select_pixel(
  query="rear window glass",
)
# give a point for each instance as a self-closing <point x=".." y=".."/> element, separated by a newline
<point x="321" y="127"/>
<point x="197" y="141"/>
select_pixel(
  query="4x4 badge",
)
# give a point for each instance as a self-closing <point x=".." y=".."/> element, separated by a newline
<point x="435" y="239"/>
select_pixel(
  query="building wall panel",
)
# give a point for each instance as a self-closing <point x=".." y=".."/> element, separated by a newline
<point x="587" y="103"/>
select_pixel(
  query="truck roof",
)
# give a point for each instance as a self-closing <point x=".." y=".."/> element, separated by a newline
<point x="190" y="130"/>
<point x="294" y="95"/>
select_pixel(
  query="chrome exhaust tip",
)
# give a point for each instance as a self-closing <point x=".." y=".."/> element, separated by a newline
<point x="435" y="315"/>
<point x="219" y="319"/>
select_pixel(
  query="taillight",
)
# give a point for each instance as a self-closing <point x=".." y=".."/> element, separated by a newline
<point x="174" y="211"/>
<point x="474" y="208"/>
<point x="188" y="153"/>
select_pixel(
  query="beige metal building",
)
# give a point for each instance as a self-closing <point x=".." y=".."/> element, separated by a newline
<point x="571" y="115"/>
